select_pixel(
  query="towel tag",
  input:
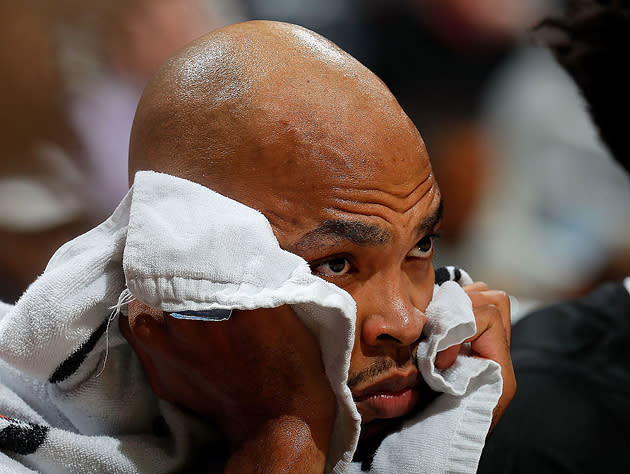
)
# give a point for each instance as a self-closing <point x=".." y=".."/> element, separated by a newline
<point x="208" y="315"/>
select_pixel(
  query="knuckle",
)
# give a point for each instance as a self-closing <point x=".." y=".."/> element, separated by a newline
<point x="498" y="296"/>
<point x="493" y="309"/>
<point x="503" y="295"/>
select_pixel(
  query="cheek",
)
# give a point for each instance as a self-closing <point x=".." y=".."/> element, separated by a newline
<point x="421" y="277"/>
<point x="378" y="296"/>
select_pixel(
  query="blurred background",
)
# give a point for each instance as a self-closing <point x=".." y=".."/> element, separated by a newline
<point x="534" y="203"/>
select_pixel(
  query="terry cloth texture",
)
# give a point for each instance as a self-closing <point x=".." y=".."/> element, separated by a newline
<point x="75" y="391"/>
<point x="449" y="434"/>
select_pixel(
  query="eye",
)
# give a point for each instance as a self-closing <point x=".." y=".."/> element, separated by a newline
<point x="333" y="267"/>
<point x="424" y="247"/>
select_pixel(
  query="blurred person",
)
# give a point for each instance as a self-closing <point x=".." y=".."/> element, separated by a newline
<point x="42" y="194"/>
<point x="553" y="189"/>
<point x="484" y="23"/>
<point x="316" y="307"/>
<point x="538" y="136"/>
<point x="572" y="359"/>
<point x="130" y="39"/>
<point x="62" y="171"/>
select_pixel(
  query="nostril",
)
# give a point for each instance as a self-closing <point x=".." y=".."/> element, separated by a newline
<point x="388" y="337"/>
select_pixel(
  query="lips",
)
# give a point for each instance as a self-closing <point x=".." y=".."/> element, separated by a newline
<point x="392" y="397"/>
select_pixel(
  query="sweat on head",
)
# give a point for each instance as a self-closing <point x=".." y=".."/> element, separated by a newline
<point x="264" y="104"/>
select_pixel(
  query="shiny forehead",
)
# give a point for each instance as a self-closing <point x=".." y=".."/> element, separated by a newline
<point x="282" y="120"/>
<point x="213" y="106"/>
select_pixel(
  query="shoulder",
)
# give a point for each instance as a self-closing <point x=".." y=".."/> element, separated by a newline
<point x="600" y="320"/>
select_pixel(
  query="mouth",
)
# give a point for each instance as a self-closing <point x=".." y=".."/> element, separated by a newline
<point x="392" y="397"/>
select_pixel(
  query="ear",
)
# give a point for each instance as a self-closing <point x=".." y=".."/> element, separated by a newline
<point x="144" y="327"/>
<point x="146" y="332"/>
<point x="141" y="316"/>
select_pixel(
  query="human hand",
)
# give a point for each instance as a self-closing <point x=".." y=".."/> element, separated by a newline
<point x="491" y="341"/>
<point x="259" y="375"/>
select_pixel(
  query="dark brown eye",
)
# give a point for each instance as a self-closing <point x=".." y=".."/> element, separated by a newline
<point x="425" y="244"/>
<point x="337" y="265"/>
<point x="423" y="248"/>
<point x="334" y="266"/>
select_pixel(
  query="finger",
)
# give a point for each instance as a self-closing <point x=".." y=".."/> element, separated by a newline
<point x="497" y="298"/>
<point x="444" y="359"/>
<point x="476" y="286"/>
<point x="490" y="342"/>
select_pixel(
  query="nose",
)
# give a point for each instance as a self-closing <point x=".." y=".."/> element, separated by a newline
<point x="391" y="312"/>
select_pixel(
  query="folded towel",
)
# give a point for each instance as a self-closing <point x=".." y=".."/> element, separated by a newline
<point x="197" y="260"/>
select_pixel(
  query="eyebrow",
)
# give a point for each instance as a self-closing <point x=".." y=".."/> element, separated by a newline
<point x="357" y="232"/>
<point x="429" y="222"/>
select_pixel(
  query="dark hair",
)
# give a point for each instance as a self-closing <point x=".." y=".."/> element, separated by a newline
<point x="591" y="41"/>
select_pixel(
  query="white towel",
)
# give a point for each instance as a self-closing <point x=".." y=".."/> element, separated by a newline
<point x="447" y="436"/>
<point x="181" y="247"/>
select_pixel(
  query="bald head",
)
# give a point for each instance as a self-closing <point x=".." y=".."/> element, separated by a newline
<point x="260" y="103"/>
<point x="281" y="120"/>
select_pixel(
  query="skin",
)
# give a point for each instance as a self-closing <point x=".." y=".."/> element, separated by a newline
<point x="283" y="121"/>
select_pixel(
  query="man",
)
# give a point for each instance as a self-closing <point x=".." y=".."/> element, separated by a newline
<point x="282" y="121"/>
